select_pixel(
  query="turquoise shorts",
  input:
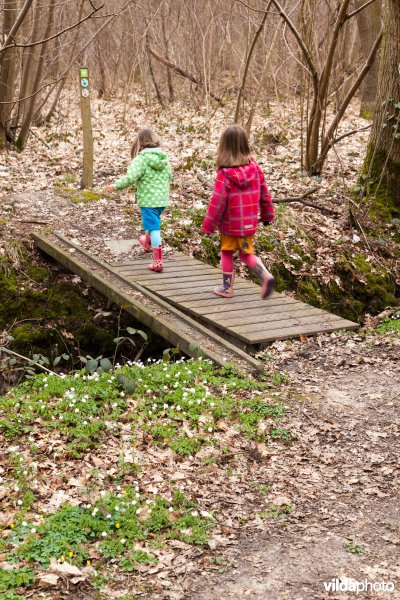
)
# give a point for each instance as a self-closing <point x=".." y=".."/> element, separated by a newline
<point x="151" y="220"/>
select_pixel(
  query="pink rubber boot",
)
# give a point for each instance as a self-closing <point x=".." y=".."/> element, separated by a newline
<point x="157" y="264"/>
<point x="145" y="241"/>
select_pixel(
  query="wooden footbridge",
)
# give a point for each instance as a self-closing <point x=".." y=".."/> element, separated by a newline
<point x="179" y="305"/>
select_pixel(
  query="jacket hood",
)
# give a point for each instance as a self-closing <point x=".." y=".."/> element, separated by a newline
<point x="156" y="158"/>
<point x="242" y="176"/>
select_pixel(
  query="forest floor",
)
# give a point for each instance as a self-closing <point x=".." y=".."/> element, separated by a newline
<point x="292" y="513"/>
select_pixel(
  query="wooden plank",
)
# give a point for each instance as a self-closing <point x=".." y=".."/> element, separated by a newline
<point x="291" y="328"/>
<point x="207" y="294"/>
<point x="175" y="283"/>
<point x="238" y="303"/>
<point x="290" y="322"/>
<point x="190" y="284"/>
<point x="261" y="317"/>
<point x="291" y="332"/>
<point x="176" y="259"/>
<point x="168" y="272"/>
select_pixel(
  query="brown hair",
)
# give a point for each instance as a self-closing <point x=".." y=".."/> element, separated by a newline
<point x="146" y="138"/>
<point x="233" y="149"/>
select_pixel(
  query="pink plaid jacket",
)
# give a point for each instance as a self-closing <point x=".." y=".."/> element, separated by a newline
<point x="240" y="199"/>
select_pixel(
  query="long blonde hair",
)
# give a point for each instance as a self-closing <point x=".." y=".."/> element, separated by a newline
<point x="146" y="138"/>
<point x="233" y="148"/>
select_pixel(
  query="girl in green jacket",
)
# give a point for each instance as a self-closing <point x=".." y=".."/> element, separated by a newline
<point x="151" y="173"/>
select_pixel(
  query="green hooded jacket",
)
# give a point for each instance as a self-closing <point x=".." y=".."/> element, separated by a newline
<point x="150" y="172"/>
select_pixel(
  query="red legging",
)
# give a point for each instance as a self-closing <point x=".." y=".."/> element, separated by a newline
<point x="227" y="260"/>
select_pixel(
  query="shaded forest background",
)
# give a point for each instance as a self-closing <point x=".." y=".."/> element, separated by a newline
<point x="208" y="52"/>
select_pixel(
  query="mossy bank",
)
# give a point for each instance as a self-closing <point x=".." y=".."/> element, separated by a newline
<point x="51" y="312"/>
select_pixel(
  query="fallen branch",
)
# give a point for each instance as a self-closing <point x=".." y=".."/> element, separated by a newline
<point x="34" y="222"/>
<point x="306" y="203"/>
<point x="33" y="362"/>
<point x="182" y="73"/>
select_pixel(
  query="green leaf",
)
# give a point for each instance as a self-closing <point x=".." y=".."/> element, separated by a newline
<point x="91" y="365"/>
<point x="130" y="385"/>
<point x="131" y="330"/>
<point x="56" y="361"/>
<point x="106" y="364"/>
<point x="66" y="356"/>
<point x="142" y="334"/>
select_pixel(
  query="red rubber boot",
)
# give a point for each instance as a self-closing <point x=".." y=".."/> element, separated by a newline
<point x="145" y="241"/>
<point x="157" y="264"/>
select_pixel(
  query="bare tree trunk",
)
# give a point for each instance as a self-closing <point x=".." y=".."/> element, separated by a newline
<point x="261" y="82"/>
<point x="35" y="81"/>
<point x="152" y="74"/>
<point x="166" y="44"/>
<point x="8" y="71"/>
<point x="381" y="171"/>
<point x="247" y="65"/>
<point x="369" y="25"/>
<point x="320" y="99"/>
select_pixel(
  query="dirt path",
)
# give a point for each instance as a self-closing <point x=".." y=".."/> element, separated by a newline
<point x="335" y="487"/>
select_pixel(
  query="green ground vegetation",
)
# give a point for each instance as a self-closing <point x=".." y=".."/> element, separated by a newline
<point x="178" y="405"/>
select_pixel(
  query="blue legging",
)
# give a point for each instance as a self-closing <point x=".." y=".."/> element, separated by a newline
<point x="155" y="237"/>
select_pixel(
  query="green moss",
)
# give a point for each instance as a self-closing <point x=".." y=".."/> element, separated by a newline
<point x="77" y="196"/>
<point x="382" y="194"/>
<point x="37" y="304"/>
<point x="371" y="285"/>
<point x="210" y="251"/>
<point x="28" y="335"/>
<point x="37" y="273"/>
<point x="90" y="196"/>
<point x="367" y="114"/>
<point x="309" y="291"/>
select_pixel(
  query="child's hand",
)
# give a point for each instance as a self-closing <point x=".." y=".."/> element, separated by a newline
<point x="109" y="189"/>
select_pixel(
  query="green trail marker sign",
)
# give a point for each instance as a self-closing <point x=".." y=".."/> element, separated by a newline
<point x="84" y="92"/>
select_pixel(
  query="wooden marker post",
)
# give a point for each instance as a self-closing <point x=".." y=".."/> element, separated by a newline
<point x="84" y="91"/>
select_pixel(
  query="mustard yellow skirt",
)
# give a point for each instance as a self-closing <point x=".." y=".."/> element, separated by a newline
<point x="232" y="243"/>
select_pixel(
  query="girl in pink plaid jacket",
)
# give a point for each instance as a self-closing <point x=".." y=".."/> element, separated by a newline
<point x="240" y="200"/>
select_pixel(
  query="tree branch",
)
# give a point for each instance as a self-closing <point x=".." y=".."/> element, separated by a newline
<point x="302" y="200"/>
<point x="305" y="50"/>
<point x="345" y="135"/>
<point x="182" y="73"/>
<point x="18" y="22"/>
<point x="52" y="36"/>
<point x="328" y="141"/>
<point x="35" y="93"/>
<point x="260" y="10"/>
<point x="355" y="12"/>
